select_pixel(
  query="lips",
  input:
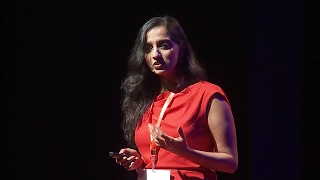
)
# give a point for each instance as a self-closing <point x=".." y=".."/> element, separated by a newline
<point x="157" y="65"/>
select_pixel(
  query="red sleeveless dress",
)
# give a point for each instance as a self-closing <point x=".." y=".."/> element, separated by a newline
<point x="188" y="109"/>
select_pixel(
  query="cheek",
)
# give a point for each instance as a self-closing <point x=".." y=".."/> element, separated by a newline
<point x="173" y="59"/>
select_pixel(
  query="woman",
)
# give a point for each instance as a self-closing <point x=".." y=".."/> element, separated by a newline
<point x="177" y="124"/>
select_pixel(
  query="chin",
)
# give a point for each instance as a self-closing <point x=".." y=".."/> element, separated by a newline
<point x="160" y="72"/>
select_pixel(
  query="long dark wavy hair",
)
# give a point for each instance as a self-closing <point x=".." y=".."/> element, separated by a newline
<point x="140" y="85"/>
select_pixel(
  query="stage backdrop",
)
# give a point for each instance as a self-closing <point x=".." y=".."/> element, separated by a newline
<point x="67" y="59"/>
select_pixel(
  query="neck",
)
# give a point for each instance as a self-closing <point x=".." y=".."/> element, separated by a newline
<point x="168" y="84"/>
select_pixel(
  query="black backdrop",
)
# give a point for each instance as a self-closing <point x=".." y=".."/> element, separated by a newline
<point x="65" y="60"/>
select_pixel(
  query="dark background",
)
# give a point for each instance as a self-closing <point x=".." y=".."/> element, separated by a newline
<point x="62" y="63"/>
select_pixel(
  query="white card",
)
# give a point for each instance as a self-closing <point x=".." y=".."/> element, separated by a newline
<point x="155" y="174"/>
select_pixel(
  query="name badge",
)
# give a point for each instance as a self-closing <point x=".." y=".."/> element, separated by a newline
<point x="153" y="174"/>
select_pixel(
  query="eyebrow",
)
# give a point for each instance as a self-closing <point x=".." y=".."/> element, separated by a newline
<point x="162" y="41"/>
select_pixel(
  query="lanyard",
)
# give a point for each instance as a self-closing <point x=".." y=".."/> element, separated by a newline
<point x="153" y="146"/>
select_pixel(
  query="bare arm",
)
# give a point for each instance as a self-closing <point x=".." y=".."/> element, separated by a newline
<point x="223" y="129"/>
<point x="221" y="123"/>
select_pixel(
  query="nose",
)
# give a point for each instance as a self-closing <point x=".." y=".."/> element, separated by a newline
<point x="156" y="54"/>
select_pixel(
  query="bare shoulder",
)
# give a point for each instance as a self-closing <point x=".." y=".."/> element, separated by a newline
<point x="219" y="102"/>
<point x="219" y="112"/>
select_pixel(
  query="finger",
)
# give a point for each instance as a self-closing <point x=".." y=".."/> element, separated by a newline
<point x="159" y="131"/>
<point x="125" y="163"/>
<point x="133" y="162"/>
<point x="166" y="138"/>
<point x="124" y="159"/>
<point x="130" y="163"/>
<point x="120" y="160"/>
<point x="153" y="132"/>
<point x="151" y="129"/>
<point x="124" y="151"/>
<point x="161" y="141"/>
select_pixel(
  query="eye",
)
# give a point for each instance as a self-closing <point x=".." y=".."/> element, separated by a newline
<point x="147" y="48"/>
<point x="165" y="46"/>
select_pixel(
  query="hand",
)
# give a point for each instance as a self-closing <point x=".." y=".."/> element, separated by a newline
<point x="132" y="159"/>
<point x="176" y="145"/>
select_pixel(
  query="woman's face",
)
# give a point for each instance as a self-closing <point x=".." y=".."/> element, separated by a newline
<point x="161" y="53"/>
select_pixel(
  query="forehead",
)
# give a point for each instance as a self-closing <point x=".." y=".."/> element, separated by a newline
<point x="156" y="34"/>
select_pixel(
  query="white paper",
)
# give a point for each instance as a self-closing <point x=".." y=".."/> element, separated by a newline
<point x="156" y="174"/>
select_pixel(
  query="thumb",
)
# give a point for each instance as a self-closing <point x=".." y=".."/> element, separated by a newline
<point x="181" y="134"/>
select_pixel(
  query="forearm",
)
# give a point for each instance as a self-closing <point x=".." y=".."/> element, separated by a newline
<point x="212" y="160"/>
